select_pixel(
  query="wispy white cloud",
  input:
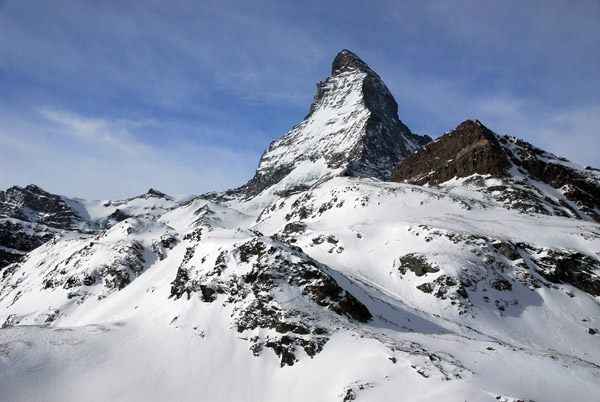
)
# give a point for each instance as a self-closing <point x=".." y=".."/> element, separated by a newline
<point x="92" y="157"/>
<point x="116" y="135"/>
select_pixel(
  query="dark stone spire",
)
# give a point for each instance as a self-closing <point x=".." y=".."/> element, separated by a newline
<point x="346" y="60"/>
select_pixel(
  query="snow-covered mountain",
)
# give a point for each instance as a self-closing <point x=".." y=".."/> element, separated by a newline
<point x="352" y="129"/>
<point x="31" y="216"/>
<point x="474" y="276"/>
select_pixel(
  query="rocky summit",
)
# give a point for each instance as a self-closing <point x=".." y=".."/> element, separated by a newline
<point x="473" y="275"/>
<point x="518" y="174"/>
<point x="471" y="148"/>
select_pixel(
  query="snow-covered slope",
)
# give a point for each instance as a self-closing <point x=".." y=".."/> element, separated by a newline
<point x="318" y="286"/>
<point x="384" y="284"/>
<point x="102" y="214"/>
<point x="463" y="259"/>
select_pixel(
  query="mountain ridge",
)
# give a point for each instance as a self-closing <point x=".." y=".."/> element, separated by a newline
<point x="523" y="170"/>
<point x="31" y="216"/>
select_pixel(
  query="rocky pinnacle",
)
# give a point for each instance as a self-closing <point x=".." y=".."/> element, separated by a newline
<point x="352" y="129"/>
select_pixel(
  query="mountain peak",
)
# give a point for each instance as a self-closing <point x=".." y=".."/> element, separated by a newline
<point x="471" y="149"/>
<point x="155" y="193"/>
<point x="35" y="205"/>
<point x="352" y="129"/>
<point x="346" y="61"/>
<point x="35" y="189"/>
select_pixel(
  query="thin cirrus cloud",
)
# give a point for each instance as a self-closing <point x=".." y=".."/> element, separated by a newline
<point x="115" y="136"/>
<point x="184" y="96"/>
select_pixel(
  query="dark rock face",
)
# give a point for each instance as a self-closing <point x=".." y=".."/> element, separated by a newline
<point x="468" y="149"/>
<point x="28" y="218"/>
<point x="18" y="238"/>
<point x="257" y="295"/>
<point x="472" y="149"/>
<point x="579" y="187"/>
<point x="417" y="264"/>
<point x="261" y="182"/>
<point x="181" y="284"/>
<point x="346" y="60"/>
<point x="117" y="216"/>
<point x="576" y="269"/>
<point x="152" y="193"/>
<point x="507" y="250"/>
<point x="32" y="204"/>
<point x="385" y="141"/>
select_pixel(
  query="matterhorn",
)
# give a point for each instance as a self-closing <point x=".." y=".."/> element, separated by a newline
<point x="361" y="262"/>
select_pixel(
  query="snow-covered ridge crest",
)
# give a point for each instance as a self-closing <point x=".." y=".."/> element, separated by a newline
<point x="31" y="216"/>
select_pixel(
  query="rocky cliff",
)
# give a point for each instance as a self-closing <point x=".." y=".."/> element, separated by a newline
<point x="471" y="148"/>
<point x="525" y="177"/>
<point x="29" y="217"/>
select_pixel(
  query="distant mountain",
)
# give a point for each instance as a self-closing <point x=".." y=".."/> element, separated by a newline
<point x="473" y="275"/>
<point x="32" y="204"/>
<point x="30" y="216"/>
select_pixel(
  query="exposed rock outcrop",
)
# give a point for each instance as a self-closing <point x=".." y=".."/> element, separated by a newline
<point x="471" y="149"/>
<point x="32" y="204"/>
<point x="28" y="218"/>
<point x="468" y="149"/>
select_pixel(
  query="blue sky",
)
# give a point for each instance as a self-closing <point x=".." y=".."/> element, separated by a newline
<point x="105" y="99"/>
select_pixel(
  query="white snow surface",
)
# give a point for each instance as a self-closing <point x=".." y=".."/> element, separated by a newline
<point x="64" y="340"/>
<point x="96" y="212"/>
<point x="333" y="137"/>
<point x="334" y="128"/>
